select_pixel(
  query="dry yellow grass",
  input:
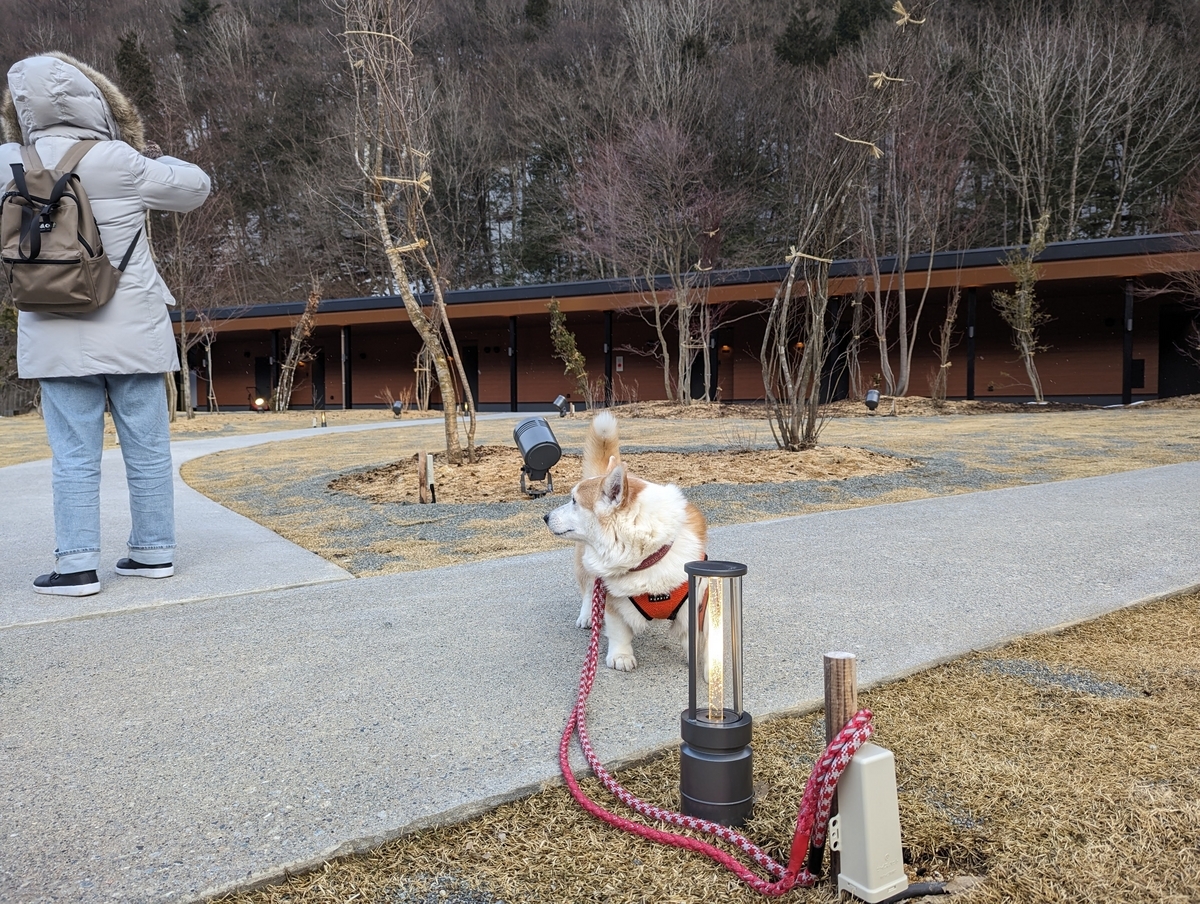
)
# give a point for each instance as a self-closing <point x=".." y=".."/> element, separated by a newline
<point x="491" y="477"/>
<point x="23" y="438"/>
<point x="1061" y="768"/>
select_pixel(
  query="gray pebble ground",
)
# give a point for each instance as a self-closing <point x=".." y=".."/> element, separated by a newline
<point x="370" y="536"/>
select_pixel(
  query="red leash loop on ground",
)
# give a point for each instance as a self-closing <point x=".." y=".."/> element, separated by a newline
<point x="811" y="821"/>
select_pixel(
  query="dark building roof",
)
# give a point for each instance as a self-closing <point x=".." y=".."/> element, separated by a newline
<point x="1083" y="249"/>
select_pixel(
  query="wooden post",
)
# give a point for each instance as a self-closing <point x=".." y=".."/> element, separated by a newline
<point x="841" y="703"/>
<point x="425" y="478"/>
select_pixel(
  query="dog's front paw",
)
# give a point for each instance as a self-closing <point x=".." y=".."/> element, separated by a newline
<point x="621" y="661"/>
<point x="584" y="620"/>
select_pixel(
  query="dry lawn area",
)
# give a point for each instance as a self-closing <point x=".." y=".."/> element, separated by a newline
<point x="351" y="498"/>
<point x="1061" y="768"/>
<point x="23" y="438"/>
<point x="490" y="478"/>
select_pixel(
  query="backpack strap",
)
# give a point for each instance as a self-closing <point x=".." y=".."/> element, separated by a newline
<point x="74" y="154"/>
<point x="69" y="160"/>
<point x="30" y="157"/>
<point x="31" y="221"/>
<point x="129" y="252"/>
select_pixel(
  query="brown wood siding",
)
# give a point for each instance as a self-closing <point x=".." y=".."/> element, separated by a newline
<point x="1083" y="357"/>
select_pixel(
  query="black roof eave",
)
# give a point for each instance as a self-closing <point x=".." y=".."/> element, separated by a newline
<point x="1082" y="249"/>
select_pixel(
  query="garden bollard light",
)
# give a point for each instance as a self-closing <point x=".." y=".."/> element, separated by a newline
<point x="716" y="778"/>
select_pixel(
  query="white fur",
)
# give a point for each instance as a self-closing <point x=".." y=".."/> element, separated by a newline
<point x="618" y="521"/>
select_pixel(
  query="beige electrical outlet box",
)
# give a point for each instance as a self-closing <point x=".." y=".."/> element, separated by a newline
<point x="866" y="831"/>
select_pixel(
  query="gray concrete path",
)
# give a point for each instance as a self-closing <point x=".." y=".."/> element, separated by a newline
<point x="165" y="752"/>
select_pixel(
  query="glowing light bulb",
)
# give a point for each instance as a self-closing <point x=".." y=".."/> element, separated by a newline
<point x="715" y="643"/>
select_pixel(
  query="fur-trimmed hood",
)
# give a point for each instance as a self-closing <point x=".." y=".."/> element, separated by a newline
<point x="56" y="93"/>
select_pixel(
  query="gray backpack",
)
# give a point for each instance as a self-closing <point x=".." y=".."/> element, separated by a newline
<point x="49" y="242"/>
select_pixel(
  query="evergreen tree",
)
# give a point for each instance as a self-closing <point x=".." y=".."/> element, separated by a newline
<point x="805" y="42"/>
<point x="854" y="17"/>
<point x="537" y="12"/>
<point x="190" y="25"/>
<point x="135" y="73"/>
<point x="810" y="39"/>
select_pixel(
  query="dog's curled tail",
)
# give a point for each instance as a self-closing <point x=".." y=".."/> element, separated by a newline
<point x="600" y="445"/>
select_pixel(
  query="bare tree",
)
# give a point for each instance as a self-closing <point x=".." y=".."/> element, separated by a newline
<point x="1183" y="216"/>
<point x="646" y="208"/>
<point x="297" y="350"/>
<point x="1021" y="309"/>
<point x="666" y="41"/>
<point x="1080" y="115"/>
<point x="829" y="152"/>
<point x="392" y="150"/>
<point x="565" y="349"/>
<point x="912" y="198"/>
<point x="944" y="341"/>
<point x="201" y="272"/>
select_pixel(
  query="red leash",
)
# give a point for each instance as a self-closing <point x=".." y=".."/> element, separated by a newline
<point x="810" y="822"/>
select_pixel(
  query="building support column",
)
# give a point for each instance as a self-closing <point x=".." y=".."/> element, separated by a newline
<point x="512" y="363"/>
<point x="608" y="359"/>
<point x="276" y="363"/>
<point x="1127" y="351"/>
<point x="971" y="344"/>
<point x="347" y="371"/>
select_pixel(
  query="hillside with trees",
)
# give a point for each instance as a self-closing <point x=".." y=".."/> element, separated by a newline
<point x="584" y="138"/>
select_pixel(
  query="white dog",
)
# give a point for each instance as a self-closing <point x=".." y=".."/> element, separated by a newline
<point x="635" y="536"/>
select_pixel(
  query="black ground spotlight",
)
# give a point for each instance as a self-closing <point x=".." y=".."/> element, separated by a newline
<point x="872" y="399"/>
<point x="716" y="770"/>
<point x="561" y="403"/>
<point x="397" y="408"/>
<point x="540" y="452"/>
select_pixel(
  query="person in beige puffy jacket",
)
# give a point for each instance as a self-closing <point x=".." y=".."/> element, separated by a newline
<point x="117" y="354"/>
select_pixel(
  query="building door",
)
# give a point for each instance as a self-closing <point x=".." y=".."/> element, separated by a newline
<point x="1178" y="374"/>
<point x="262" y="378"/>
<point x="696" y="389"/>
<point x="470" y="360"/>
<point x="318" y="380"/>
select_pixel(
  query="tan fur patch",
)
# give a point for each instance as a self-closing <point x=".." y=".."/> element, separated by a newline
<point x="600" y="454"/>
<point x="587" y="492"/>
<point x="694" y="521"/>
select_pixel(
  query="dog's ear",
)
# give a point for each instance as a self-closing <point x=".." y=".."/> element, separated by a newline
<point x="614" y="487"/>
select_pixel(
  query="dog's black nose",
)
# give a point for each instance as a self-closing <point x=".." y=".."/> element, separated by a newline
<point x="546" y="517"/>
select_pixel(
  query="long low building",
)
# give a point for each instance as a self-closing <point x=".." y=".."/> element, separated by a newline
<point x="1116" y="333"/>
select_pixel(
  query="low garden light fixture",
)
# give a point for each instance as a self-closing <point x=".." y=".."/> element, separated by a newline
<point x="716" y="776"/>
<point x="540" y="452"/>
<point x="259" y="404"/>
<point x="561" y="403"/>
<point x="872" y="399"/>
<point x="397" y="408"/>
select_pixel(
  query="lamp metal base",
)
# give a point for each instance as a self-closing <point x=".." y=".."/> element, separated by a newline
<point x="716" y="769"/>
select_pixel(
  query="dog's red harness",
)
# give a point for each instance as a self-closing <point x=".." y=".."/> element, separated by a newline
<point x="660" y="605"/>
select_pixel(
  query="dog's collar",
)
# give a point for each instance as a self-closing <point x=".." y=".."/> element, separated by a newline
<point x="653" y="559"/>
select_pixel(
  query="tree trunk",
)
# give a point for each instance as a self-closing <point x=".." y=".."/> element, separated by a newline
<point x="429" y="334"/>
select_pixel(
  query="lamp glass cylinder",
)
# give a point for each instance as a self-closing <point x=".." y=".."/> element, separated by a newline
<point x="715" y="640"/>
<point x="716" y="780"/>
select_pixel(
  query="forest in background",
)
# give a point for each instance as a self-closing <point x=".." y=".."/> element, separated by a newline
<point x="587" y="138"/>
<point x="545" y="116"/>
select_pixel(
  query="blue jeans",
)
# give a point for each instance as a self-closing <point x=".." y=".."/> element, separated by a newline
<point x="73" y="408"/>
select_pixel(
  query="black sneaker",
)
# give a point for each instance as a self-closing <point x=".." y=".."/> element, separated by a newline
<point x="137" y="569"/>
<point x="78" y="583"/>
